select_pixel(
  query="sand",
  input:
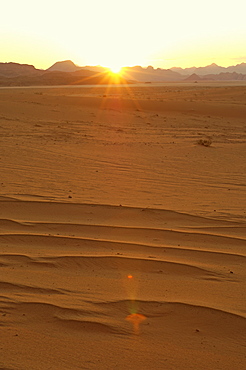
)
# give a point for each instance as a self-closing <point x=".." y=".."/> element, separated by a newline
<point x="122" y="236"/>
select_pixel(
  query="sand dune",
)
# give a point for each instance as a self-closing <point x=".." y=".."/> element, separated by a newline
<point x="110" y="212"/>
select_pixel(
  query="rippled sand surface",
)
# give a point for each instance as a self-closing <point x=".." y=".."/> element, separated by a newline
<point x="122" y="237"/>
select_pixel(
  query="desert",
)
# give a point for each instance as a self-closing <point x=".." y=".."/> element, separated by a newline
<point x="122" y="226"/>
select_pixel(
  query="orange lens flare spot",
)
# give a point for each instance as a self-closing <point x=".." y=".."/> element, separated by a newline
<point x="136" y="320"/>
<point x="130" y="276"/>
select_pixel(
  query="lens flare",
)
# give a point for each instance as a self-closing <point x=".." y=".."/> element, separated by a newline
<point x="136" y="319"/>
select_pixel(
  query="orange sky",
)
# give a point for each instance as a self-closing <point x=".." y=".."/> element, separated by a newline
<point x="124" y="33"/>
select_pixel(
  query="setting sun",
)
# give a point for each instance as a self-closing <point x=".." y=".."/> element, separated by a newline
<point x="127" y="39"/>
<point x="115" y="69"/>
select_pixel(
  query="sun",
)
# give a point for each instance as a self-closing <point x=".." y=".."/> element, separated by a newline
<point x="115" y="69"/>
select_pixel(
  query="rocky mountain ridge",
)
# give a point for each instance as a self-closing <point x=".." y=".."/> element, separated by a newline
<point x="66" y="73"/>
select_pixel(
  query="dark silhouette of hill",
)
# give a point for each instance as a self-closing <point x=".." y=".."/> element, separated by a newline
<point x="150" y="74"/>
<point x="211" y="69"/>
<point x="67" y="73"/>
<point x="226" y="76"/>
<point x="69" y="66"/>
<point x="136" y="73"/>
<point x="193" y="77"/>
<point x="15" y="69"/>
<point x="56" y="78"/>
<point x="64" y="66"/>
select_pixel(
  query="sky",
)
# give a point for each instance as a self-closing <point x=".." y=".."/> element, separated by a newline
<point x="114" y="33"/>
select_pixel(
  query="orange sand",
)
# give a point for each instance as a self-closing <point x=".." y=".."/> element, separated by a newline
<point x="122" y="240"/>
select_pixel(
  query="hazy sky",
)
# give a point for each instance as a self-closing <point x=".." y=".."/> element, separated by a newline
<point x="123" y="33"/>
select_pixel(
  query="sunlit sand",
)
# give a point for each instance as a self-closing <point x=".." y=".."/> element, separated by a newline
<point x="122" y="227"/>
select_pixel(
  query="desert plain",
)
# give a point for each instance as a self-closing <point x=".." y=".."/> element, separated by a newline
<point x="122" y="227"/>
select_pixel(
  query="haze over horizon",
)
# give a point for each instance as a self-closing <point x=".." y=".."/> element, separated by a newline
<point x="63" y="62"/>
<point x="115" y="33"/>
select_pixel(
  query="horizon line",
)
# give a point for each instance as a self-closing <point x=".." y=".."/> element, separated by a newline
<point x="133" y="66"/>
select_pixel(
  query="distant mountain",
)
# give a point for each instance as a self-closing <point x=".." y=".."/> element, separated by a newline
<point x="57" y="78"/>
<point x="234" y="76"/>
<point x="226" y="76"/>
<point x="137" y="73"/>
<point x="69" y="66"/>
<point x="239" y="68"/>
<point x="64" y="66"/>
<point x="192" y="78"/>
<point x="67" y="73"/>
<point x="16" y="69"/>
<point x="211" y="69"/>
<point x="150" y="74"/>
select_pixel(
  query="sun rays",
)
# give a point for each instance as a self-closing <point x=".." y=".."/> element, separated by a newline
<point x="116" y="69"/>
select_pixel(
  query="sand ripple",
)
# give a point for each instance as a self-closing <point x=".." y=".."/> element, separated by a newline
<point x="78" y="271"/>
